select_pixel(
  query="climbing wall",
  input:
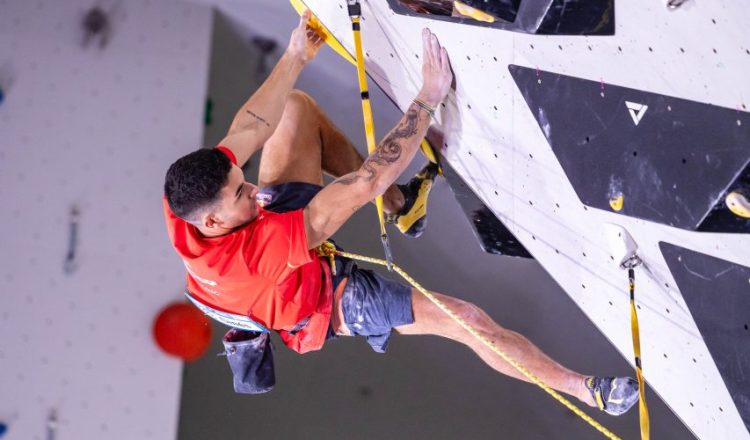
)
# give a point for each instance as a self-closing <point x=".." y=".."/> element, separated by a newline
<point x="547" y="129"/>
<point x="93" y="129"/>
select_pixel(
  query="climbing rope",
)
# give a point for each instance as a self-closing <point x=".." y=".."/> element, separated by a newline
<point x="328" y="250"/>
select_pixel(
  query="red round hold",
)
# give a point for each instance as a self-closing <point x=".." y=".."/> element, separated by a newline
<point x="183" y="331"/>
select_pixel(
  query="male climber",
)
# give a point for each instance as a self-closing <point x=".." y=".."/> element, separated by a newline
<point x="250" y="250"/>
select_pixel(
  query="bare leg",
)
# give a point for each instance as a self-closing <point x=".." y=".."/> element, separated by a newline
<point x="305" y="144"/>
<point x="293" y="152"/>
<point x="429" y="319"/>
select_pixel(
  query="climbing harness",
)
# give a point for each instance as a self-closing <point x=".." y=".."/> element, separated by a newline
<point x="229" y="319"/>
<point x="329" y="250"/>
<point x="630" y="264"/>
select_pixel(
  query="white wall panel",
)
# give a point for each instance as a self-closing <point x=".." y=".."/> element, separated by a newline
<point x="698" y="52"/>
<point x="97" y="129"/>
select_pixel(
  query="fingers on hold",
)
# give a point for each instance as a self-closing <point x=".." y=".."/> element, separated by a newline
<point x="444" y="57"/>
<point x="313" y="34"/>
<point x="304" y="18"/>
<point x="434" y="49"/>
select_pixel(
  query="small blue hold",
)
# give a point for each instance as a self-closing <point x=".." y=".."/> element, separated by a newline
<point x="2" y="97"/>
<point x="3" y="426"/>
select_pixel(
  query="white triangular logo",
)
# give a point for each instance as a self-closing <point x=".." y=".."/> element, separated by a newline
<point x="636" y="111"/>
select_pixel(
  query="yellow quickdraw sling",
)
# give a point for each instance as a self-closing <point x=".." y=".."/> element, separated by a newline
<point x="355" y="13"/>
<point x="630" y="264"/>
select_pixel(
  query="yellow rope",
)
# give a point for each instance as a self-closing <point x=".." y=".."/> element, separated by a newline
<point x="329" y="250"/>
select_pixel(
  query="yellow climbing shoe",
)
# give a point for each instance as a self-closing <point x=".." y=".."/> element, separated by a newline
<point x="412" y="219"/>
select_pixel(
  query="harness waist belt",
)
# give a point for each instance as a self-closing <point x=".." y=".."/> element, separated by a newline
<point x="235" y="320"/>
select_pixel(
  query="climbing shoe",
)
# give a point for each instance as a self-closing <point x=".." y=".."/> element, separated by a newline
<point x="412" y="219"/>
<point x="613" y="395"/>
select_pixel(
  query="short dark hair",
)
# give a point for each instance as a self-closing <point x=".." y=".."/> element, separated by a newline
<point x="194" y="181"/>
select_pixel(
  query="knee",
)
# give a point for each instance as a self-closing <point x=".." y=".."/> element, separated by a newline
<point x="299" y="98"/>
<point x="470" y="313"/>
<point x="481" y="321"/>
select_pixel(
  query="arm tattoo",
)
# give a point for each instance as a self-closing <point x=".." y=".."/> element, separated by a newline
<point x="388" y="152"/>
<point x="258" y="119"/>
<point x="347" y="179"/>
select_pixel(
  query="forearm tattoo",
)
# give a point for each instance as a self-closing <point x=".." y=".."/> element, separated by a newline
<point x="389" y="150"/>
<point x="258" y="119"/>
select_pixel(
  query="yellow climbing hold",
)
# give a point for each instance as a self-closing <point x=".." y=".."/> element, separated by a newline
<point x="738" y="204"/>
<point x="476" y="14"/>
<point x="615" y="202"/>
<point x="428" y="152"/>
<point x="328" y="37"/>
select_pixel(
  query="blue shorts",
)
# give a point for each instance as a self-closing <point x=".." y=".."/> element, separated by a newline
<point x="372" y="304"/>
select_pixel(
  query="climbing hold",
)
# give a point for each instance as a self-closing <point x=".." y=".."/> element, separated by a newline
<point x="623" y="248"/>
<point x="3" y="429"/>
<point x="615" y="202"/>
<point x="674" y="4"/>
<point x="474" y="13"/>
<point x="323" y="32"/>
<point x="429" y="153"/>
<point x="70" y="265"/>
<point x="182" y="330"/>
<point x="96" y="25"/>
<point x="738" y="204"/>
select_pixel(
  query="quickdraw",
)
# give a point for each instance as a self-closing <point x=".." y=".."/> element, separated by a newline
<point x="630" y="264"/>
